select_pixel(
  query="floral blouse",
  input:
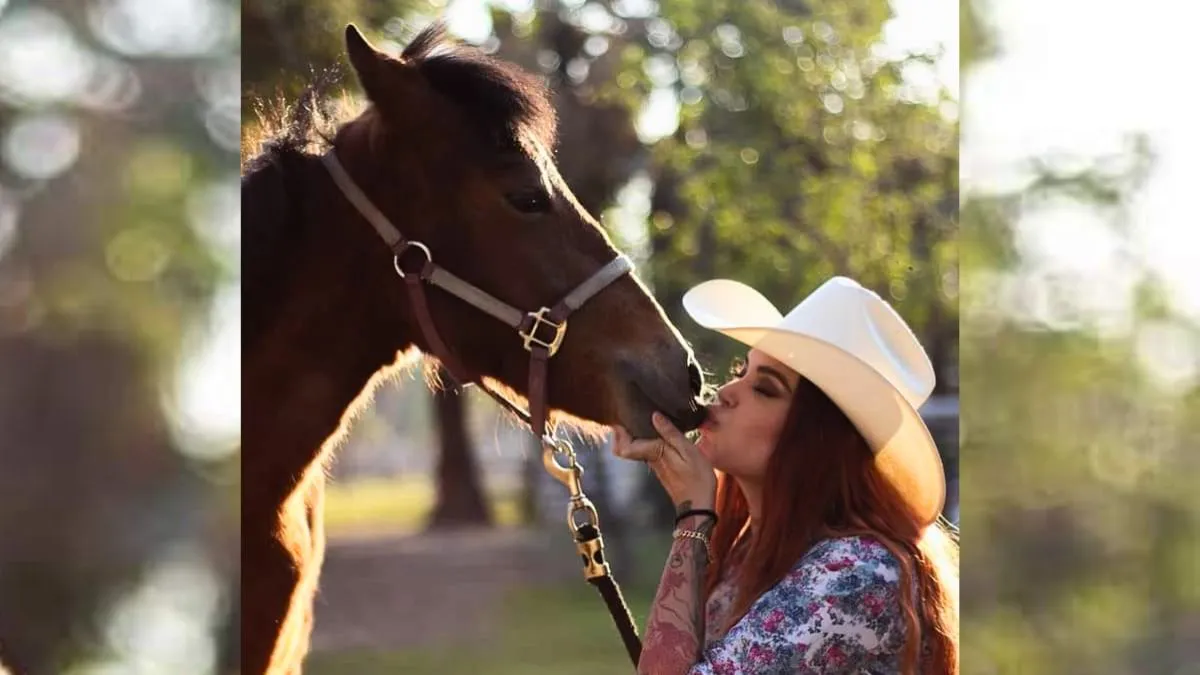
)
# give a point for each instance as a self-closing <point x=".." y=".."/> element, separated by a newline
<point x="837" y="611"/>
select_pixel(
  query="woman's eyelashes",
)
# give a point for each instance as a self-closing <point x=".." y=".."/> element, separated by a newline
<point x="763" y="387"/>
<point x="765" y="390"/>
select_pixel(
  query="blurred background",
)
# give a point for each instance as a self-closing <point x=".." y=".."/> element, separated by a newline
<point x="777" y="143"/>
<point x="119" y="339"/>
<point x="1080" y="340"/>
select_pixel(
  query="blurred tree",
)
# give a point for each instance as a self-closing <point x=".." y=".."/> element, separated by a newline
<point x="113" y="155"/>
<point x="460" y="499"/>
<point x="800" y="153"/>
<point x="1083" y="529"/>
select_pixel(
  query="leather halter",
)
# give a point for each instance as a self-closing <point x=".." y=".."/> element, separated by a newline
<point x="542" y="331"/>
<point x="541" y="346"/>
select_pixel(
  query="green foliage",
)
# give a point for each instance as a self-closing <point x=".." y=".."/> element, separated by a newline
<point x="799" y="155"/>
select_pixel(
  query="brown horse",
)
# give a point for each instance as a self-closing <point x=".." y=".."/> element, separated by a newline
<point x="453" y="148"/>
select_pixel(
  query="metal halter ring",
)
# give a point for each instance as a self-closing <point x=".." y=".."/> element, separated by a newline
<point x="396" y="258"/>
<point x="582" y="505"/>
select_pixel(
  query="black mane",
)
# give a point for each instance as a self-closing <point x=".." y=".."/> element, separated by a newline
<point x="501" y="99"/>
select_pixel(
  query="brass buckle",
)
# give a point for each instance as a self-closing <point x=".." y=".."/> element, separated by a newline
<point x="539" y="319"/>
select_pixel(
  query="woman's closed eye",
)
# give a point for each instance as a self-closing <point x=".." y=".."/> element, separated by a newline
<point x="767" y="390"/>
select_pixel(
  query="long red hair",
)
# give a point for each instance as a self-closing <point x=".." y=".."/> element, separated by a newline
<point x="821" y="482"/>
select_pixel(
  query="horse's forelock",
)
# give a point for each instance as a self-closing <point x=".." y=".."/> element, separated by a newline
<point x="504" y="101"/>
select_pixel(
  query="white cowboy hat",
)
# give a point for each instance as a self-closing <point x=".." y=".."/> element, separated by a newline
<point x="851" y="344"/>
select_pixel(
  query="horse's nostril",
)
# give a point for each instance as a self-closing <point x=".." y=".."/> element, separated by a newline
<point x="695" y="376"/>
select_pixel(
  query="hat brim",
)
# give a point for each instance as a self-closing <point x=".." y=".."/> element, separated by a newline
<point x="905" y="452"/>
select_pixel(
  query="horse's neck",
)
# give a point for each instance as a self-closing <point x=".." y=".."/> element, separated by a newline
<point x="317" y="331"/>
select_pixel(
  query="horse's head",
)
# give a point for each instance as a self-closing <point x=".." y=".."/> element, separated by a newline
<point x="455" y="149"/>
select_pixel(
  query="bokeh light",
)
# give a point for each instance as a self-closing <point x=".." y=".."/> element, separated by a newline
<point x="42" y="146"/>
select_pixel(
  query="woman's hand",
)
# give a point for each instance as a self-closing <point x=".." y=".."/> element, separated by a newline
<point x="685" y="474"/>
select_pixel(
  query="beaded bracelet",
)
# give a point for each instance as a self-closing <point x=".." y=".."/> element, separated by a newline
<point x="699" y="536"/>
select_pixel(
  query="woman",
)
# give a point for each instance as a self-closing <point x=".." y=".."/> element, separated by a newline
<point x="815" y="546"/>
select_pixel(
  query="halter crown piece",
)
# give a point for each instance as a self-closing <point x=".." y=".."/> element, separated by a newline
<point x="542" y="333"/>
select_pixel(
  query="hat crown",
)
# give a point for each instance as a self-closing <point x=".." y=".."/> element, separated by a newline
<point x="856" y="320"/>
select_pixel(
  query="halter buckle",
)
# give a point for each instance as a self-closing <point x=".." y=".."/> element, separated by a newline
<point x="539" y="320"/>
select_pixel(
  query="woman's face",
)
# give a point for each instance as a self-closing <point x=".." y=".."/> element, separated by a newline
<point x="745" y="422"/>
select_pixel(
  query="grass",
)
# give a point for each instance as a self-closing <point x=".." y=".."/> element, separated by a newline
<point x="564" y="630"/>
<point x="396" y="505"/>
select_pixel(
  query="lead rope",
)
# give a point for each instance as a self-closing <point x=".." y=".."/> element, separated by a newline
<point x="589" y="543"/>
<point x="586" y="535"/>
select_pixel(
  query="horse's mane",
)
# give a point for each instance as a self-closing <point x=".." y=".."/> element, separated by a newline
<point x="503" y="101"/>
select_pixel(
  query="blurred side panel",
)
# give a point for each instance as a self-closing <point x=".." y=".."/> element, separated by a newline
<point x="119" y="322"/>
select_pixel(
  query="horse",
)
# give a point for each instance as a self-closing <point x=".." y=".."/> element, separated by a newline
<point x="453" y="147"/>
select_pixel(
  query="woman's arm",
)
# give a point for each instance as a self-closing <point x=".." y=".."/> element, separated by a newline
<point x="675" y="630"/>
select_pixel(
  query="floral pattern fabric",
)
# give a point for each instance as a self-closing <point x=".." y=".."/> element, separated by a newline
<point x="836" y="612"/>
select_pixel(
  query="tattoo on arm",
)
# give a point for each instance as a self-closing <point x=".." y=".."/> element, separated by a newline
<point x="675" y="630"/>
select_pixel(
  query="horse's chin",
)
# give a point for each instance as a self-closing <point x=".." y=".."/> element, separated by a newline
<point x="640" y="406"/>
<point x="634" y="408"/>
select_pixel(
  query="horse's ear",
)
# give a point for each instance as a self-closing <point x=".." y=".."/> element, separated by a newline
<point x="369" y="63"/>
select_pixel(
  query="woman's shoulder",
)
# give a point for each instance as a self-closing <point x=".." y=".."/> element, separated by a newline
<point x="853" y="549"/>
<point x="854" y="564"/>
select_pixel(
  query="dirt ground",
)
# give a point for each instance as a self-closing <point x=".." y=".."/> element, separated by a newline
<point x="398" y="591"/>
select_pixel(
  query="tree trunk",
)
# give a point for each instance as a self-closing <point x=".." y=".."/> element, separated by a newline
<point x="460" y="500"/>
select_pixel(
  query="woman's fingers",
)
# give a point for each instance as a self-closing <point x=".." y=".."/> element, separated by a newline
<point x="644" y="450"/>
<point x="651" y="450"/>
<point x="669" y="433"/>
<point x="621" y="439"/>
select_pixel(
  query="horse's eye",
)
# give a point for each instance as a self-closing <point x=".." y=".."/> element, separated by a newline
<point x="529" y="201"/>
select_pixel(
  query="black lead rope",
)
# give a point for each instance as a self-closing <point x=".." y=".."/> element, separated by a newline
<point x="588" y="541"/>
<point x="591" y="549"/>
